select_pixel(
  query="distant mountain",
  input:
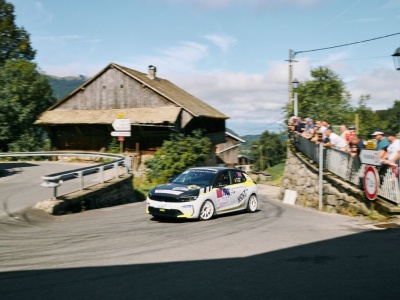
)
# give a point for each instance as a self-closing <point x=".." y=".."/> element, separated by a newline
<point x="62" y="86"/>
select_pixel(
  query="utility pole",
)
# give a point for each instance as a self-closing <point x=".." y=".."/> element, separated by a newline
<point x="290" y="76"/>
<point x="291" y="61"/>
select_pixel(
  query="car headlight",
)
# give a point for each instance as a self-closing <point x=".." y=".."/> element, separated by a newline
<point x="188" y="198"/>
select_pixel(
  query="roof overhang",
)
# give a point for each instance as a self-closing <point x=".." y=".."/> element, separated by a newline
<point x="144" y="115"/>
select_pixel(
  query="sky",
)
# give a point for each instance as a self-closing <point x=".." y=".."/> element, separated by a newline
<point x="231" y="54"/>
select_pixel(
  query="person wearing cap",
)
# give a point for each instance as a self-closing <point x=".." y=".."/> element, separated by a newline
<point x="393" y="150"/>
<point x="382" y="143"/>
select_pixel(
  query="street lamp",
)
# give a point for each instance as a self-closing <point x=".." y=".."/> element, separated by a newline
<point x="295" y="85"/>
<point x="396" y="59"/>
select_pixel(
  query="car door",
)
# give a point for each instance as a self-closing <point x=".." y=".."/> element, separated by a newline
<point x="238" y="189"/>
<point x="223" y="199"/>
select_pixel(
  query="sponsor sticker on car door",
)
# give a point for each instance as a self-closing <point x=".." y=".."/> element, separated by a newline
<point x="223" y="197"/>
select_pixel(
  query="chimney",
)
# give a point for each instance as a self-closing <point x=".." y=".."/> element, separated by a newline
<point x="152" y="72"/>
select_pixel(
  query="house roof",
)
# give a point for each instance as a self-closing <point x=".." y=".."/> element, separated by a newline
<point x="235" y="137"/>
<point x="175" y="94"/>
<point x="181" y="98"/>
<point x="139" y="116"/>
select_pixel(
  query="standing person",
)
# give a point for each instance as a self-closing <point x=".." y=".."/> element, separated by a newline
<point x="335" y="140"/>
<point x="356" y="145"/>
<point x="382" y="143"/>
<point x="322" y="129"/>
<point x="327" y="125"/>
<point x="393" y="150"/>
<point x="344" y="133"/>
<point x="309" y="129"/>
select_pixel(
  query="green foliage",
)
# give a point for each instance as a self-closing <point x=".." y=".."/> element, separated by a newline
<point x="24" y="94"/>
<point x="178" y="154"/>
<point x="392" y="118"/>
<point x="14" y="41"/>
<point x="324" y="98"/>
<point x="141" y="188"/>
<point x="270" y="148"/>
<point x="367" y="118"/>
<point x="113" y="146"/>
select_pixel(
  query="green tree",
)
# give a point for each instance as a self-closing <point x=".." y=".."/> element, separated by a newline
<point x="24" y="94"/>
<point x="324" y="97"/>
<point x="14" y="41"/>
<point x="270" y="150"/>
<point x="368" y="119"/>
<point x="392" y="117"/>
<point x="178" y="154"/>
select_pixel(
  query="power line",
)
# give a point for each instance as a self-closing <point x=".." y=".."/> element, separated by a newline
<point x="377" y="38"/>
<point x="347" y="59"/>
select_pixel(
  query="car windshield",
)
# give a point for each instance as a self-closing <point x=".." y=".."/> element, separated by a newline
<point x="197" y="177"/>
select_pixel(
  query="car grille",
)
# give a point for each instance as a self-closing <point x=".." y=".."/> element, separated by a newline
<point x="166" y="199"/>
<point x="164" y="212"/>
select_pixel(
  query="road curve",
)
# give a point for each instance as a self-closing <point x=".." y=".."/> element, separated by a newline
<point x="20" y="183"/>
<point x="279" y="252"/>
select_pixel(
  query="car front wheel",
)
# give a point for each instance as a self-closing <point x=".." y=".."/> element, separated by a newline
<point x="252" y="204"/>
<point x="206" y="211"/>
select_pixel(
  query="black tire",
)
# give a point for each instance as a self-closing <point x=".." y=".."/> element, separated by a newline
<point x="252" y="203"/>
<point x="207" y="211"/>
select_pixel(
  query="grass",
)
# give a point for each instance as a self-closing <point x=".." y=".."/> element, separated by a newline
<point x="141" y="187"/>
<point x="276" y="174"/>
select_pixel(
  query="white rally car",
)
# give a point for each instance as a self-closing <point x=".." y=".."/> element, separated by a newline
<point x="201" y="193"/>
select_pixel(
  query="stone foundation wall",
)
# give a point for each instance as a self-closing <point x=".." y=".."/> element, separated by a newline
<point x="338" y="196"/>
<point x="113" y="192"/>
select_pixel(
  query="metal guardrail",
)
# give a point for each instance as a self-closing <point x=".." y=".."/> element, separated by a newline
<point x="56" y="179"/>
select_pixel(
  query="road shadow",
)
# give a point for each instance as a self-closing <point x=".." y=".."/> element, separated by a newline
<point x="360" y="266"/>
<point x="12" y="168"/>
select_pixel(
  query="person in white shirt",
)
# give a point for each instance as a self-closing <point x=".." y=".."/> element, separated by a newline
<point x="335" y="141"/>
<point x="393" y="149"/>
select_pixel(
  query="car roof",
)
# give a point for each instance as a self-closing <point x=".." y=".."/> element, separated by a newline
<point x="217" y="169"/>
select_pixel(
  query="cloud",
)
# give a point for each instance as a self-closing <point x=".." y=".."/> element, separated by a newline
<point x="379" y="83"/>
<point x="223" y="42"/>
<point x="252" y="101"/>
<point x="61" y="41"/>
<point x="391" y="4"/>
<point x="176" y="59"/>
<point x="363" y="21"/>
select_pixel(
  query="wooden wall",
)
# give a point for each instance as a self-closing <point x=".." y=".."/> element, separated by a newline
<point x="114" y="90"/>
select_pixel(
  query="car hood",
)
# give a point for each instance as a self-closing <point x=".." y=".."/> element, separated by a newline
<point x="173" y="189"/>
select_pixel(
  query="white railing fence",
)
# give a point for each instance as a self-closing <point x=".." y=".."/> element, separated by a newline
<point x="56" y="179"/>
<point x="349" y="168"/>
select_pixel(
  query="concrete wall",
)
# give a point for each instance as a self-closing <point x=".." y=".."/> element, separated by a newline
<point x="338" y="196"/>
<point x="113" y="192"/>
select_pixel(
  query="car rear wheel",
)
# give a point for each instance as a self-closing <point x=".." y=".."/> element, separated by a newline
<point x="252" y="204"/>
<point x="206" y="211"/>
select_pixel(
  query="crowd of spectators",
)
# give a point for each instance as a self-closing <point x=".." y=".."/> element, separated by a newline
<point x="320" y="131"/>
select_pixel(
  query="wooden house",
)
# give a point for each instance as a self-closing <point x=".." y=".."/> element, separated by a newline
<point x="227" y="152"/>
<point x="83" y="119"/>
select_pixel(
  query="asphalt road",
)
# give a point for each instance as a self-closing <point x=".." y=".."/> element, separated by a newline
<point x="20" y="183"/>
<point x="279" y="252"/>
